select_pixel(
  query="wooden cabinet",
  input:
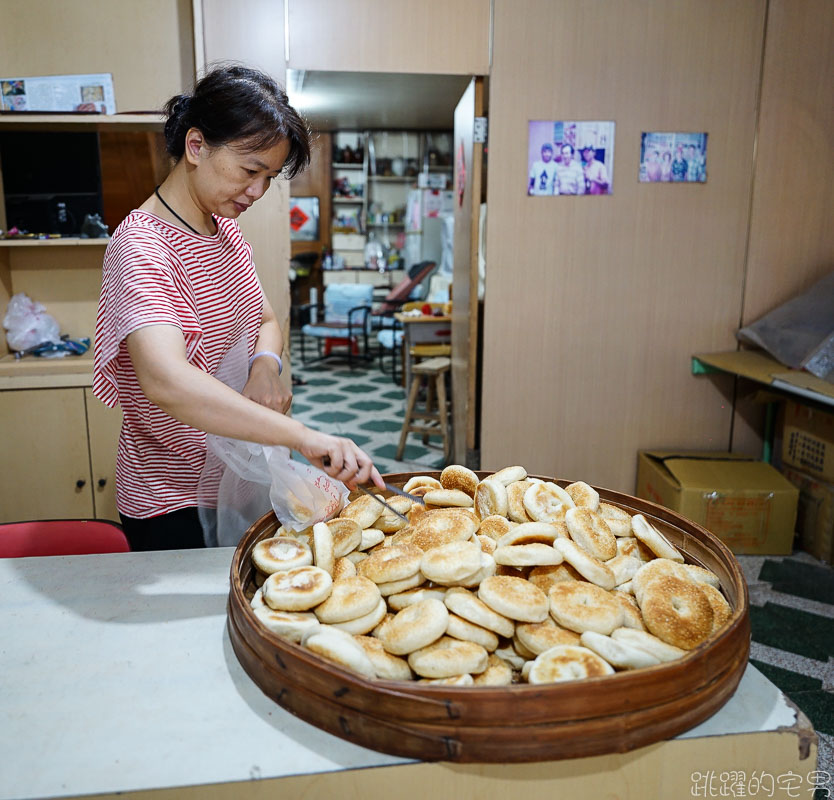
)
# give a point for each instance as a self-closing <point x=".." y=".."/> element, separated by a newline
<point x="50" y="437"/>
<point x="59" y="441"/>
<point x="103" y="426"/>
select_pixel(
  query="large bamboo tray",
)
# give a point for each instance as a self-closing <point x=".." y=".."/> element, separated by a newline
<point x="518" y="723"/>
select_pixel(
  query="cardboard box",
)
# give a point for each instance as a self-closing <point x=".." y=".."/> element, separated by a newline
<point x="815" y="515"/>
<point x="808" y="440"/>
<point x="748" y="504"/>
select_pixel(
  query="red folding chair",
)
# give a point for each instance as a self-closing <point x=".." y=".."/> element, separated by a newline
<point x="61" y="537"/>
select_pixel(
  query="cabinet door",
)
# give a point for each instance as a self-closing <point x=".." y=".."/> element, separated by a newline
<point x="46" y="463"/>
<point x="103" y="426"/>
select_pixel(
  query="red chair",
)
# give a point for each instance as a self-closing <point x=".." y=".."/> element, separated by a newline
<point x="61" y="537"/>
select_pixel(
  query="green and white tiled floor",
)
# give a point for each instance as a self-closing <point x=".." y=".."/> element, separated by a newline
<point x="792" y="620"/>
<point x="363" y="404"/>
<point x="791" y="598"/>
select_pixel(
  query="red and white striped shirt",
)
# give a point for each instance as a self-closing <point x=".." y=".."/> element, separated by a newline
<point x="158" y="274"/>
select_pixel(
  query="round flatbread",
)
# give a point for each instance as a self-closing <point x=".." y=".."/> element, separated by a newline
<point x="349" y="598"/>
<point x="514" y="598"/>
<point x="298" y="589"/>
<point x="448" y="657"/>
<point x="677" y="611"/>
<point x="581" y="606"/>
<point x="468" y="606"/>
<point x="415" y="627"/>
<point x="340" y="648"/>
<point x="394" y="563"/>
<point x="567" y="662"/>
<point x="280" y="553"/>
<point x="459" y="477"/>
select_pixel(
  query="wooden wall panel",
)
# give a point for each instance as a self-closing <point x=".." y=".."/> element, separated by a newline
<point x="594" y="304"/>
<point x="791" y="235"/>
<point x="252" y="31"/>
<point x="418" y="36"/>
<point x="147" y="46"/>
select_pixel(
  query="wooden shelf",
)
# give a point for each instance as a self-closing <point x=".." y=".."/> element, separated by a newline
<point x="44" y="122"/>
<point x="63" y="242"/>
<point x="393" y="178"/>
<point x="32" y="372"/>
<point x="383" y="224"/>
<point x="350" y="200"/>
<point x="348" y="166"/>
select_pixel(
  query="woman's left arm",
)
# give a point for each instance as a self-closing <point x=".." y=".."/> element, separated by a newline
<point x="264" y="385"/>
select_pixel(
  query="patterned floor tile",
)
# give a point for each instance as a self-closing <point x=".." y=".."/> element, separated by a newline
<point x="360" y="388"/>
<point x="370" y="405"/>
<point x="796" y="631"/>
<point x="381" y="425"/>
<point x="333" y="416"/>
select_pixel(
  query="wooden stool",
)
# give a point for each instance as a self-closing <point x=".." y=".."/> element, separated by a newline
<point x="436" y="422"/>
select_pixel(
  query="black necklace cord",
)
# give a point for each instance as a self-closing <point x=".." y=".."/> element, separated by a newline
<point x="190" y="227"/>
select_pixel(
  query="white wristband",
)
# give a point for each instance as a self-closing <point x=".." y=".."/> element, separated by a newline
<point x="272" y="355"/>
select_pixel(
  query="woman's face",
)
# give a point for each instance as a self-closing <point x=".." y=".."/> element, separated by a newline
<point x="226" y="181"/>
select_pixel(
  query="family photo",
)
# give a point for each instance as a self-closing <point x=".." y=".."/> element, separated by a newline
<point x="673" y="158"/>
<point x="570" y="158"/>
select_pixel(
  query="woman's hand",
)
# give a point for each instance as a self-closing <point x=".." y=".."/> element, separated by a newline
<point x="265" y="387"/>
<point x="340" y="458"/>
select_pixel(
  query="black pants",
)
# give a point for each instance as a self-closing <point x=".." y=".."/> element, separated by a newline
<point x="179" y="530"/>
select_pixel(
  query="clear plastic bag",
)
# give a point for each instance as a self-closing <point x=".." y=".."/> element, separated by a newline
<point x="28" y="325"/>
<point x="242" y="480"/>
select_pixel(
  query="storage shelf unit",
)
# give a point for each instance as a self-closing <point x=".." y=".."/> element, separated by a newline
<point x="389" y="169"/>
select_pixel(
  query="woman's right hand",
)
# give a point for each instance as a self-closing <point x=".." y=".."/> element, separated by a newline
<point x="340" y="458"/>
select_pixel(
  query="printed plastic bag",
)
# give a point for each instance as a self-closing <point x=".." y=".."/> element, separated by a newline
<point x="28" y="325"/>
<point x="302" y="494"/>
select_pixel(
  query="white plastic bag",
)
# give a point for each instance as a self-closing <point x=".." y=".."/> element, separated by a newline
<point x="241" y="480"/>
<point x="28" y="325"/>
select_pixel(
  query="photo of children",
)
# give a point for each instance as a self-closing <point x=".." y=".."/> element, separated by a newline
<point x="673" y="158"/>
<point x="569" y="158"/>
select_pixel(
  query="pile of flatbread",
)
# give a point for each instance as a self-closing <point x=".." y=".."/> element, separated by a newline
<point x="501" y="580"/>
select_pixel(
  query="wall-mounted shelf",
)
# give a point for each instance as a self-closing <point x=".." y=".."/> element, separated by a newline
<point x="63" y="242"/>
<point x="32" y="372"/>
<point x="44" y="122"/>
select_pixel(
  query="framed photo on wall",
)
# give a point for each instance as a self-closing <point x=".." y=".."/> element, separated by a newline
<point x="673" y="157"/>
<point x="569" y="158"/>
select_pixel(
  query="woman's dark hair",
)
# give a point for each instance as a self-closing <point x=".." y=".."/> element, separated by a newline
<point x="239" y="106"/>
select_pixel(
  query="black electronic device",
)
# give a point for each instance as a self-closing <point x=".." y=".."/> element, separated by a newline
<point x="51" y="180"/>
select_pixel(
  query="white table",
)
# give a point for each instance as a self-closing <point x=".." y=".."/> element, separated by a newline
<point x="117" y="675"/>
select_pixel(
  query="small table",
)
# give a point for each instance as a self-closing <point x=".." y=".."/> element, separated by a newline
<point x="425" y="329"/>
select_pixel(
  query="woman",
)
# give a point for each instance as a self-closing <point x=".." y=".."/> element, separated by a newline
<point x="180" y="292"/>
